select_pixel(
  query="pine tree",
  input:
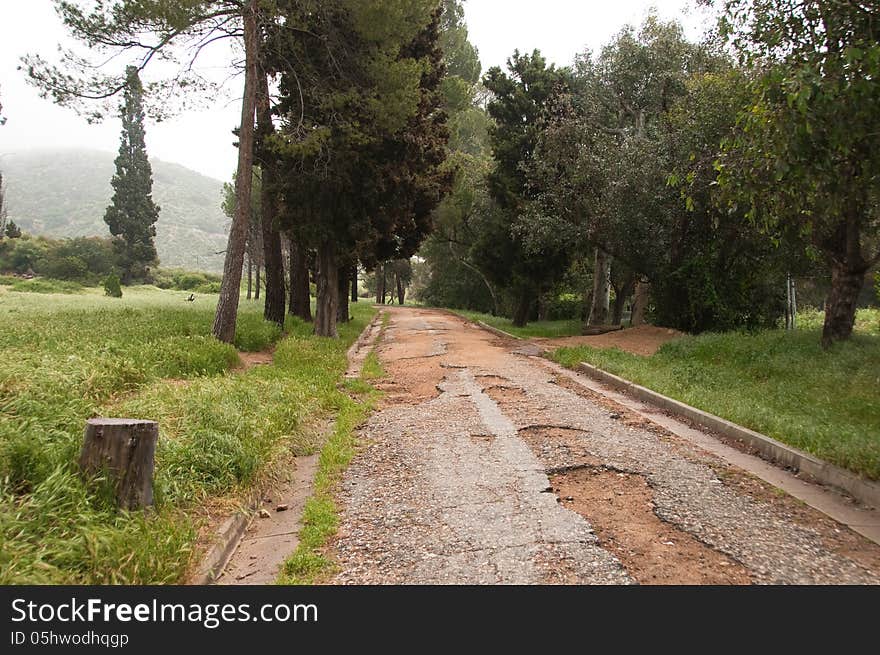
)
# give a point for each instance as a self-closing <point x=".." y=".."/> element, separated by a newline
<point x="132" y="215"/>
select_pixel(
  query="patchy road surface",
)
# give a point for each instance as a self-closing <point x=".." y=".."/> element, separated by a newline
<point x="486" y="465"/>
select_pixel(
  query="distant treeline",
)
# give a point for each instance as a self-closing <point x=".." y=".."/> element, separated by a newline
<point x="87" y="261"/>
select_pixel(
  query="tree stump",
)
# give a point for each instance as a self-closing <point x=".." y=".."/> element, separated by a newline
<point x="125" y="450"/>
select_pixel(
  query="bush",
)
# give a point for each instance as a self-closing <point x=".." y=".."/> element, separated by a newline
<point x="209" y="287"/>
<point x="181" y="280"/>
<point x="66" y="268"/>
<point x="112" y="287"/>
<point x="564" y="307"/>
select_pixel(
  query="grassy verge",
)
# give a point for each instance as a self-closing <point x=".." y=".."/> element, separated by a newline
<point x="147" y="355"/>
<point x="780" y="384"/>
<point x="545" y="329"/>
<point x="308" y="564"/>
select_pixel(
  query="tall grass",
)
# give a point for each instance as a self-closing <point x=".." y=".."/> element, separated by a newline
<point x="148" y="355"/>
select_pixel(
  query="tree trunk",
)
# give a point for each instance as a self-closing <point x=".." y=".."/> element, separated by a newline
<point x="380" y="284"/>
<point x="275" y="294"/>
<point x="300" y="298"/>
<point x="523" y="308"/>
<point x="542" y="308"/>
<point x="840" y="306"/>
<point x="354" y="282"/>
<point x="342" y="315"/>
<point x="620" y="298"/>
<point x="123" y="449"/>
<point x="640" y="303"/>
<point x="401" y="291"/>
<point x="227" y="306"/>
<point x="601" y="289"/>
<point x="328" y="291"/>
<point x="250" y="265"/>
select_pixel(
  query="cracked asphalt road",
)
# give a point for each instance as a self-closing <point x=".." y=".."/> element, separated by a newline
<point x="451" y="485"/>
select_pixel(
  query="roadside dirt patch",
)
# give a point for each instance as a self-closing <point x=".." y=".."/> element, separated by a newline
<point x="250" y="360"/>
<point x="643" y="340"/>
<point x="620" y="508"/>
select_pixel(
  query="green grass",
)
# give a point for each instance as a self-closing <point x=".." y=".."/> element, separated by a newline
<point x="867" y="320"/>
<point x="308" y="564"/>
<point x="777" y="383"/>
<point x="546" y="329"/>
<point x="44" y="285"/>
<point x="147" y="355"/>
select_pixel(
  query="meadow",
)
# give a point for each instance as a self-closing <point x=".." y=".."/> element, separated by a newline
<point x="71" y="356"/>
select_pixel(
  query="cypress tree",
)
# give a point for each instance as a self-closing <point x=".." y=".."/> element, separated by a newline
<point x="132" y="215"/>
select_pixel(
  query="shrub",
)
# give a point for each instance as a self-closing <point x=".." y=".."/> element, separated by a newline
<point x="209" y="287"/>
<point x="67" y="268"/>
<point x="112" y="287"/>
<point x="564" y="307"/>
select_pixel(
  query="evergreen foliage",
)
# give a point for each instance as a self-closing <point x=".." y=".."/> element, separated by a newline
<point x="132" y="215"/>
<point x="112" y="286"/>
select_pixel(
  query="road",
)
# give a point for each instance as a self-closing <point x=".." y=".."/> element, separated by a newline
<point x="488" y="465"/>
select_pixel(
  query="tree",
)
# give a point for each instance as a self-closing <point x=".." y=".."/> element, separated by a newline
<point x="132" y="214"/>
<point x="519" y="107"/>
<point x="3" y="212"/>
<point x="112" y="286"/>
<point x="268" y="232"/>
<point x="357" y="126"/>
<point x="12" y="230"/>
<point x="807" y="155"/>
<point x="254" y="244"/>
<point x="176" y="32"/>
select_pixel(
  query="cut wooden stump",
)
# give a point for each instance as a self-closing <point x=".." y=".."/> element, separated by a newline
<point x="125" y="450"/>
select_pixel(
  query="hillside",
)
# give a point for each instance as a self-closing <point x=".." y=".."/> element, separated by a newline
<point x="64" y="193"/>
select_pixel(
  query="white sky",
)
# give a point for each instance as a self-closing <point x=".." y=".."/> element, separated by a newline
<point x="203" y="141"/>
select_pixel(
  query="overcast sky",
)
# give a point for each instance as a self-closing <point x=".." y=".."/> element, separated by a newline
<point x="203" y="141"/>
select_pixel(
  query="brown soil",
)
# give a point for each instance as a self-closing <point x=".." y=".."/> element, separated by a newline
<point x="250" y="360"/>
<point x="620" y="508"/>
<point x="643" y="340"/>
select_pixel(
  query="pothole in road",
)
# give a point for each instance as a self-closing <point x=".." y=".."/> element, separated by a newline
<point x="559" y="446"/>
<point x="505" y="396"/>
<point x="620" y="507"/>
<point x="482" y="438"/>
<point x="492" y="380"/>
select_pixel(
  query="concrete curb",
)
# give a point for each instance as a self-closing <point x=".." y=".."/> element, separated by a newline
<point x="229" y="536"/>
<point x="496" y="331"/>
<point x="232" y="530"/>
<point x="865" y="491"/>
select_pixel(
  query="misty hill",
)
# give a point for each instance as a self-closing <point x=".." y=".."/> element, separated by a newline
<point x="64" y="193"/>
